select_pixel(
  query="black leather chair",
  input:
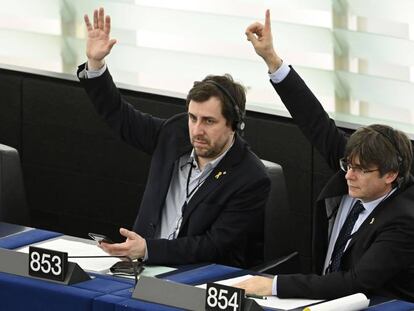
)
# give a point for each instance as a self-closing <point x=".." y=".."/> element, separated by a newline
<point x="13" y="205"/>
<point x="279" y="254"/>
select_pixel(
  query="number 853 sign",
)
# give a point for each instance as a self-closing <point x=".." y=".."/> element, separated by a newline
<point x="47" y="264"/>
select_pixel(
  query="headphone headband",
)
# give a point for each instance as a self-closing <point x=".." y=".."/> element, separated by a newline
<point x="239" y="121"/>
<point x="392" y="142"/>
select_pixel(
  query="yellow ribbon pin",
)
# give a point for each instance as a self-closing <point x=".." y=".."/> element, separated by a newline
<point x="218" y="175"/>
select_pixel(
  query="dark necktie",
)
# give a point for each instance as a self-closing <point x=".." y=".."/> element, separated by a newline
<point x="345" y="235"/>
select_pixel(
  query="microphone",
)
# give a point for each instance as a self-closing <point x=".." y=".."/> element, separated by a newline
<point x="120" y="268"/>
<point x="189" y="162"/>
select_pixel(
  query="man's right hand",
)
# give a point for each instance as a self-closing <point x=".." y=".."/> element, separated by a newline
<point x="134" y="246"/>
<point x="261" y="38"/>
<point x="98" y="44"/>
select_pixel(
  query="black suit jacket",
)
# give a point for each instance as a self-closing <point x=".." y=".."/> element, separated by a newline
<point x="223" y="221"/>
<point x="380" y="257"/>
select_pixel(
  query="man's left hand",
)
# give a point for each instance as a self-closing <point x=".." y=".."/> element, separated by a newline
<point x="257" y="285"/>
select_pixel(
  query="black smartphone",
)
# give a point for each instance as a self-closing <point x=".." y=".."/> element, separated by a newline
<point x="100" y="238"/>
<point x="127" y="267"/>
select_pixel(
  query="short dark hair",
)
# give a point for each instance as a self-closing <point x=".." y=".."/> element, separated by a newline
<point x="204" y="90"/>
<point x="381" y="145"/>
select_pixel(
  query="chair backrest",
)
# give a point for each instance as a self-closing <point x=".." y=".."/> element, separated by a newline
<point x="277" y="233"/>
<point x="13" y="206"/>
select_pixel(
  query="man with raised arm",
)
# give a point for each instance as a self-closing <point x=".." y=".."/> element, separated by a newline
<point x="364" y="217"/>
<point x="206" y="190"/>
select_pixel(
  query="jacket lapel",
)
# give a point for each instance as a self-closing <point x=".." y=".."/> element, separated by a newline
<point x="370" y="223"/>
<point x="177" y="148"/>
<point x="336" y="186"/>
<point x="217" y="177"/>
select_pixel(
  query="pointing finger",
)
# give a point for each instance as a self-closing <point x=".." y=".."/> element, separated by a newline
<point x="267" y="21"/>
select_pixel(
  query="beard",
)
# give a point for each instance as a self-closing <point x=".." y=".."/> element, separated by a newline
<point x="204" y="149"/>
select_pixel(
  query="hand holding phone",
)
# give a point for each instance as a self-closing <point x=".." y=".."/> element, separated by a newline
<point x="100" y="238"/>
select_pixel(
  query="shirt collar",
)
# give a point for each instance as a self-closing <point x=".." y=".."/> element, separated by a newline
<point x="370" y="206"/>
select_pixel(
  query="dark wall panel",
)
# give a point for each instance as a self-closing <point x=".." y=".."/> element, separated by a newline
<point x="75" y="166"/>
<point x="79" y="177"/>
<point x="10" y="108"/>
<point x="98" y="204"/>
<point x="278" y="140"/>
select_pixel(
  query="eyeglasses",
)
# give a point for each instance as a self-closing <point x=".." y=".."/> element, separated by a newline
<point x="345" y="166"/>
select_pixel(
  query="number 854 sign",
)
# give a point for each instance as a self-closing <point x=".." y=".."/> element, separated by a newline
<point x="224" y="298"/>
<point x="47" y="264"/>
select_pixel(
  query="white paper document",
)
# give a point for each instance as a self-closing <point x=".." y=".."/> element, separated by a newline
<point x="353" y="302"/>
<point x="270" y="301"/>
<point x="77" y="248"/>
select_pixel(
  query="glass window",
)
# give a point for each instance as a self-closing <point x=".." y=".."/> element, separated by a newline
<point x="357" y="56"/>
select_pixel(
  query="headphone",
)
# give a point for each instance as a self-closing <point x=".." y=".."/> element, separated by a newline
<point x="392" y="141"/>
<point x="238" y="123"/>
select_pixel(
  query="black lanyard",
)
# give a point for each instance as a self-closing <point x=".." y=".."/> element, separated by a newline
<point x="199" y="183"/>
<point x="189" y="194"/>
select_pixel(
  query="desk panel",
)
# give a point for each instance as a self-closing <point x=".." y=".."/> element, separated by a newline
<point x="203" y="274"/>
<point x="107" y="302"/>
<point x="20" y="293"/>
<point x="137" y="305"/>
<point x="104" y="292"/>
<point x="104" y="285"/>
<point x="393" y="305"/>
<point x="7" y="229"/>
<point x="26" y="238"/>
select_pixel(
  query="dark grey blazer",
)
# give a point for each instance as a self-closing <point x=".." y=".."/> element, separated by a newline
<point x="380" y="257"/>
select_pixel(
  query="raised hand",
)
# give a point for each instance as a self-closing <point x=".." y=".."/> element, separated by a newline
<point x="261" y="38"/>
<point x="98" y="44"/>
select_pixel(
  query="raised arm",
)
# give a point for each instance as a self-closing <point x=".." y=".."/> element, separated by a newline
<point x="98" y="43"/>
<point x="261" y="38"/>
<point x="305" y="109"/>
<point x="137" y="129"/>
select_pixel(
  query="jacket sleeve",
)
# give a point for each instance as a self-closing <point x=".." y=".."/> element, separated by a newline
<point x="134" y="127"/>
<point x="390" y="254"/>
<point x="308" y="113"/>
<point x="235" y="219"/>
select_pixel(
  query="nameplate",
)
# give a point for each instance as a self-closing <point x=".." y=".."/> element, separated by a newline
<point x="178" y="295"/>
<point x="170" y="293"/>
<point x="17" y="263"/>
<point x="47" y="264"/>
<point x="223" y="298"/>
